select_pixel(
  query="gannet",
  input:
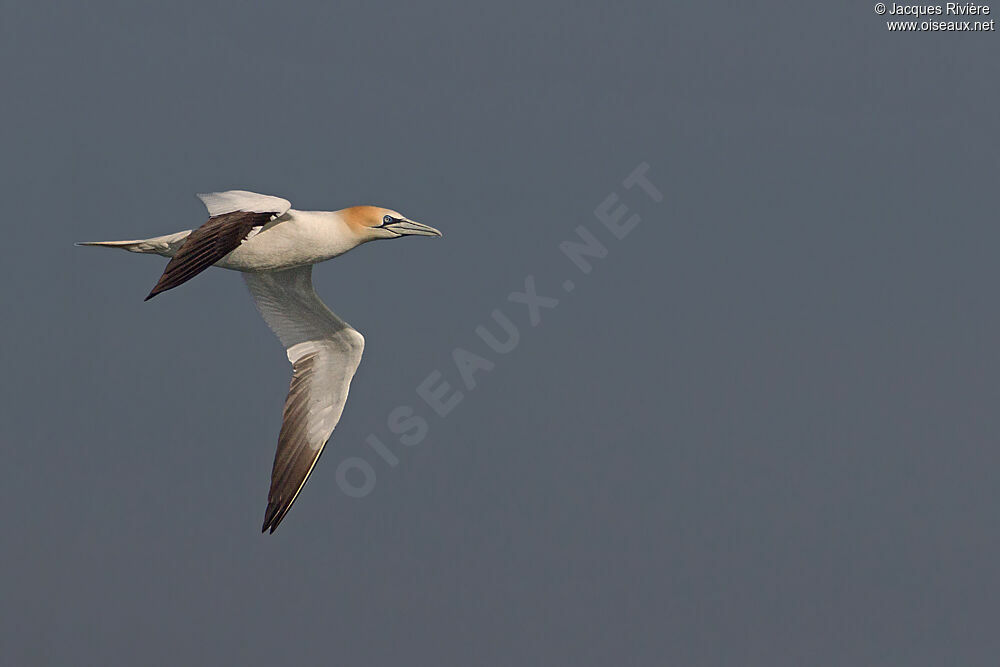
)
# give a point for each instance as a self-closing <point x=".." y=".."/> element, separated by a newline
<point x="275" y="247"/>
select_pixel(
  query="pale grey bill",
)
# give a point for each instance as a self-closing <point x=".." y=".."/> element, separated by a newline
<point x="406" y="227"/>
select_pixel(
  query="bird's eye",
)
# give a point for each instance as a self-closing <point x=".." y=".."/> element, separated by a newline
<point x="386" y="220"/>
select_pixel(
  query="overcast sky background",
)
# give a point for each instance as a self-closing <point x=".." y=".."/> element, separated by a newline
<point x="762" y="431"/>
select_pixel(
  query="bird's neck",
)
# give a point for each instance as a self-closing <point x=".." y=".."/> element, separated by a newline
<point x="323" y="234"/>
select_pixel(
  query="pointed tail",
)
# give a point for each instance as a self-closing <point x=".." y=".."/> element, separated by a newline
<point x="131" y="246"/>
<point x="160" y="245"/>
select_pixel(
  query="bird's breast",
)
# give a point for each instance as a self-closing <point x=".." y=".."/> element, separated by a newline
<point x="297" y="238"/>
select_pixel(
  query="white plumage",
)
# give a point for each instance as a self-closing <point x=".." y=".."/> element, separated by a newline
<point x="229" y="201"/>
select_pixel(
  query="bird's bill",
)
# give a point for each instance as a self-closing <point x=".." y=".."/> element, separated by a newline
<point x="407" y="227"/>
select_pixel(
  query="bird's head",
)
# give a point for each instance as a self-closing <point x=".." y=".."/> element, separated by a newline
<point x="373" y="222"/>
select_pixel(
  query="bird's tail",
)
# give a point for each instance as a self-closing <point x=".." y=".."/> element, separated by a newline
<point x="159" y="245"/>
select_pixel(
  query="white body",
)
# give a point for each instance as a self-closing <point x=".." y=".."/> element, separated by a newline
<point x="296" y="238"/>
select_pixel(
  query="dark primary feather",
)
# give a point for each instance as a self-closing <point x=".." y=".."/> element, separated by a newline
<point x="297" y="453"/>
<point x="207" y="245"/>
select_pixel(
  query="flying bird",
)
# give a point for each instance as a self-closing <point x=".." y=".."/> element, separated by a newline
<point x="275" y="247"/>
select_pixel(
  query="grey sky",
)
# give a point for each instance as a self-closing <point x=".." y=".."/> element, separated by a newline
<point x="762" y="431"/>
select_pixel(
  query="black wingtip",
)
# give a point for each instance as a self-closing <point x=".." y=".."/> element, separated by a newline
<point x="271" y="518"/>
<point x="158" y="288"/>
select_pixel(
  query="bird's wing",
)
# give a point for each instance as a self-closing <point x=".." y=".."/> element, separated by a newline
<point x="325" y="352"/>
<point x="231" y="201"/>
<point x="207" y="245"/>
<point x="233" y="214"/>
